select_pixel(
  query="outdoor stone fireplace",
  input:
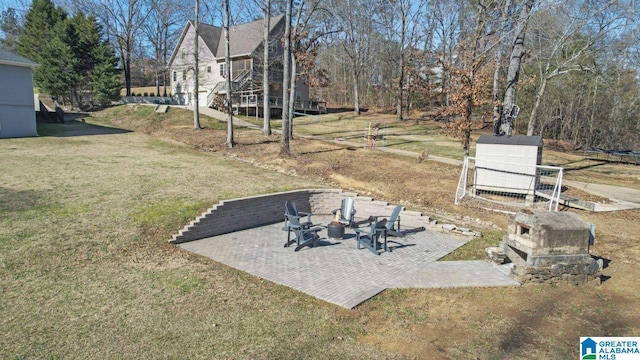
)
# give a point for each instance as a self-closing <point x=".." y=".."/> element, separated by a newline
<point x="548" y="247"/>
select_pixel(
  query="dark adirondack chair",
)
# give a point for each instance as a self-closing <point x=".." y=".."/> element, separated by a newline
<point x="306" y="234"/>
<point x="369" y="236"/>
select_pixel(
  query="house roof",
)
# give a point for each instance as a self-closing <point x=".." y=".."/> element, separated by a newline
<point x="243" y="39"/>
<point x="9" y="58"/>
<point x="510" y="140"/>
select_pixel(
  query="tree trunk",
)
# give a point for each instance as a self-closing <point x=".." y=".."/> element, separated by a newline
<point x="227" y="72"/>
<point x="534" y="111"/>
<point x="284" y="141"/>
<point x="196" y="88"/>
<point x="126" y="69"/>
<point x="356" y="91"/>
<point x="400" y="95"/>
<point x="497" y="108"/>
<point x="292" y="96"/>
<point x="513" y="72"/>
<point x="158" y="60"/>
<point x="164" y="62"/>
<point x="466" y="142"/>
<point x="266" y="107"/>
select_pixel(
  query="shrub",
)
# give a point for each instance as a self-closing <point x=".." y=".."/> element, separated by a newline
<point x="133" y="93"/>
<point x="152" y="94"/>
<point x="146" y="93"/>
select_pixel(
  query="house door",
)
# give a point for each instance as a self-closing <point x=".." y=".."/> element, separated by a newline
<point x="202" y="98"/>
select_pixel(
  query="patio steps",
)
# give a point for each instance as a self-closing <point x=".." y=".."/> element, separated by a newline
<point x="250" y="212"/>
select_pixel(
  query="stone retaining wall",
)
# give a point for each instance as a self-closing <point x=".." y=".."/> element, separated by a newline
<point x="245" y="213"/>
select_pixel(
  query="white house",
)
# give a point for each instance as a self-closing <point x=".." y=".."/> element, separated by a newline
<point x="246" y="53"/>
<point x="17" y="113"/>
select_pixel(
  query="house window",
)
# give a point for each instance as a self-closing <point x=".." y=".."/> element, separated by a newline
<point x="239" y="67"/>
<point x="209" y="69"/>
<point x="184" y="54"/>
<point x="184" y="74"/>
<point x="175" y="76"/>
<point x="222" y="70"/>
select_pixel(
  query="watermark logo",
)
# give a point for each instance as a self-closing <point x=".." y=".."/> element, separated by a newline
<point x="609" y="348"/>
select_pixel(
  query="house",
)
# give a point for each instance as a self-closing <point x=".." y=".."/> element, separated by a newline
<point x="246" y="52"/>
<point x="17" y="111"/>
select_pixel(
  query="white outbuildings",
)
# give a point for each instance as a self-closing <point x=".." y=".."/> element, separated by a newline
<point x="17" y="113"/>
<point x="507" y="164"/>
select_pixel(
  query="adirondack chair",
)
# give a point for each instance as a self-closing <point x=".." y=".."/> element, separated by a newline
<point x="369" y="236"/>
<point x="347" y="212"/>
<point x="306" y="234"/>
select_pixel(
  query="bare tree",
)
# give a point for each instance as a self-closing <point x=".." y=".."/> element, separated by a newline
<point x="304" y="47"/>
<point x="560" y="47"/>
<point x="515" y="61"/>
<point x="355" y="19"/>
<point x="123" y="20"/>
<point x="266" y="105"/>
<point x="227" y="73"/>
<point x="497" y="106"/>
<point x="400" y="20"/>
<point x="468" y="77"/>
<point x="161" y="29"/>
<point x="196" y="69"/>
<point x="285" y="139"/>
<point x="447" y="23"/>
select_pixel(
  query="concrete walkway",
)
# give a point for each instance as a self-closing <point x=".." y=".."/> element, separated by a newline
<point x="622" y="198"/>
<point x="337" y="272"/>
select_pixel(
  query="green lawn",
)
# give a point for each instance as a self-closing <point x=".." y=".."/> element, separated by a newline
<point x="87" y="272"/>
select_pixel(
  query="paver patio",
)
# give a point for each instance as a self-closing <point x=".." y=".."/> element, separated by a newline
<point x="335" y="271"/>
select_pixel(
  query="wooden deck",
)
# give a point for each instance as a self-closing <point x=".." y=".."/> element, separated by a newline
<point x="250" y="101"/>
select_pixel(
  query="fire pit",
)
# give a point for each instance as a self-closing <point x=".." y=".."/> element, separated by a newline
<point x="335" y="230"/>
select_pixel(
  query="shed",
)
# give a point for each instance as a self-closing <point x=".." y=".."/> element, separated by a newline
<point x="17" y="114"/>
<point x="508" y="163"/>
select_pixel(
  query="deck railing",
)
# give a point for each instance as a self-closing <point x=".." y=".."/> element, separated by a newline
<point x="253" y="99"/>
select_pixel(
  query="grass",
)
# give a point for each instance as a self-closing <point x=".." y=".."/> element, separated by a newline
<point x="474" y="249"/>
<point x="87" y="271"/>
<point x="405" y="135"/>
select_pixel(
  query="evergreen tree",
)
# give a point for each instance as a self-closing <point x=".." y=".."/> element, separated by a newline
<point x="74" y="58"/>
<point x="38" y="29"/>
<point x="104" y="77"/>
<point x="100" y="63"/>
<point x="58" y="74"/>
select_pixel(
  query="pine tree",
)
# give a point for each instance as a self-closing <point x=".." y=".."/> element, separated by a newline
<point x="104" y="77"/>
<point x="74" y="58"/>
<point x="38" y="29"/>
<point x="58" y="73"/>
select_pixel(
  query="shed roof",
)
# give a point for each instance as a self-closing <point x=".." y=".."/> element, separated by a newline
<point x="9" y="58"/>
<point x="511" y="140"/>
